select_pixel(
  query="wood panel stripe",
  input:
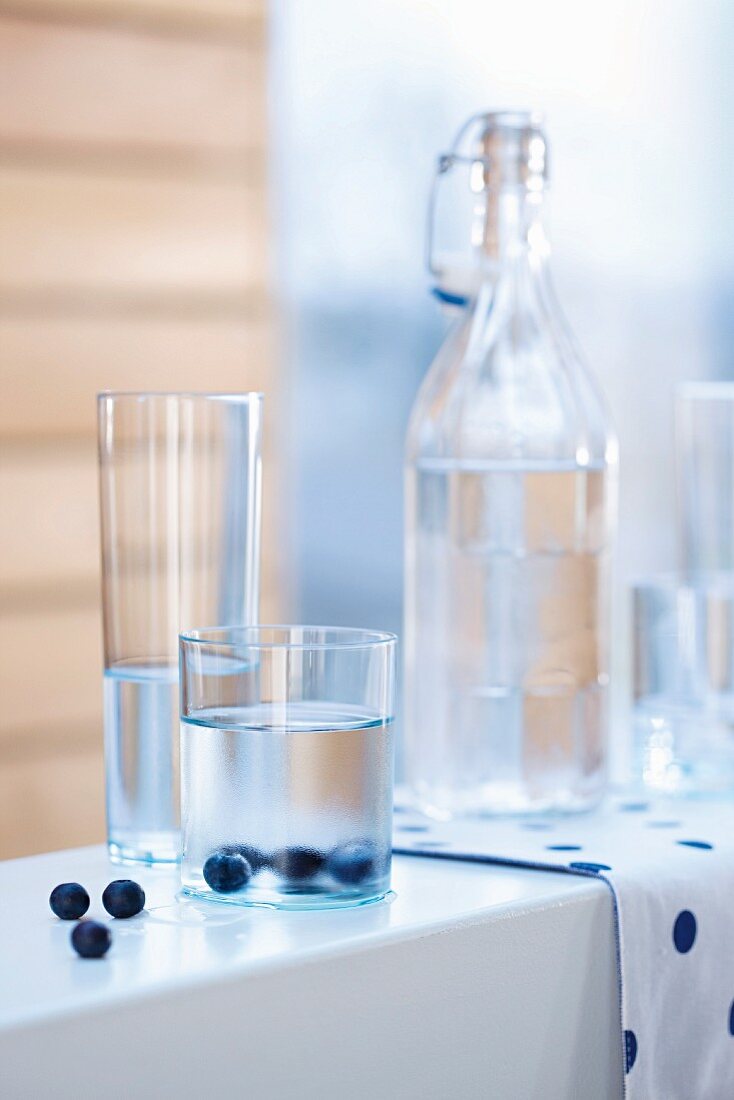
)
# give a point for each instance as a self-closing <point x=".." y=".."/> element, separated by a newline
<point x="103" y="235"/>
<point x="93" y="86"/>
<point x="219" y="19"/>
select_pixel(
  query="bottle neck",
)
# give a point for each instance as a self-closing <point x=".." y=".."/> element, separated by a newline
<point x="509" y="231"/>
<point x="506" y="241"/>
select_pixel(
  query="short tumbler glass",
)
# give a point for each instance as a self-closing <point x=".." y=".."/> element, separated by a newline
<point x="287" y="765"/>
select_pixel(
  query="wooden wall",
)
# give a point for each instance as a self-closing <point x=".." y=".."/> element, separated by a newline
<point x="133" y="255"/>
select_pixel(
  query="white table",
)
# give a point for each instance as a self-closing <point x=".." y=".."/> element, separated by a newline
<point x="473" y="982"/>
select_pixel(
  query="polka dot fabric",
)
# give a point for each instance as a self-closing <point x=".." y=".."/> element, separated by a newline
<point x="670" y="868"/>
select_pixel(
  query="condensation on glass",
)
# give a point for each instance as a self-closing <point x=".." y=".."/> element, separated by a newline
<point x="287" y="765"/>
<point x="510" y="506"/>
<point x="180" y="482"/>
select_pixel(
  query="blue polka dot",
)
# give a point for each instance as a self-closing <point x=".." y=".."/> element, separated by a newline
<point x="563" y="847"/>
<point x="633" y="807"/>
<point x="630" y="1050"/>
<point x="413" y="828"/>
<point x="595" y="867"/>
<point x="400" y="809"/>
<point x="663" y="824"/>
<point x="704" y="844"/>
<point x="684" y="931"/>
<point x="731" y="1019"/>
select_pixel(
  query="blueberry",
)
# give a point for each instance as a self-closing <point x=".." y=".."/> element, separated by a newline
<point x="123" y="898"/>
<point x="69" y="901"/>
<point x="254" y="856"/>
<point x="226" y="872"/>
<point x="298" y="864"/>
<point x="354" y="862"/>
<point x="90" y="939"/>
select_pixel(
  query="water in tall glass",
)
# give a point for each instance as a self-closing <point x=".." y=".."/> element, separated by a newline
<point x="180" y="534"/>
<point x="505" y="665"/>
<point x="141" y="749"/>
<point x="302" y="790"/>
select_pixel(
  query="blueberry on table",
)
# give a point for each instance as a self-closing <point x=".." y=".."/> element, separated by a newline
<point x="90" y="939"/>
<point x="252" y="855"/>
<point x="123" y="898"/>
<point x="226" y="872"/>
<point x="354" y="862"/>
<point x="69" y="901"/>
<point x="297" y="864"/>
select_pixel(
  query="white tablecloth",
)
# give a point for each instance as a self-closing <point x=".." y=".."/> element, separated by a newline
<point x="670" y="866"/>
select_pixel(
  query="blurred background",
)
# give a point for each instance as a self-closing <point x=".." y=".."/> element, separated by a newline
<point x="133" y="255"/>
<point x="231" y="194"/>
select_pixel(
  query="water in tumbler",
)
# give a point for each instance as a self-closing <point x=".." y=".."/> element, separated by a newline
<point x="505" y="663"/>
<point x="302" y="790"/>
<point x="141" y="735"/>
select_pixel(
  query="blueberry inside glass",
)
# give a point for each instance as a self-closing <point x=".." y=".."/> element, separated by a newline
<point x="286" y="765"/>
<point x="226" y="872"/>
<point x="298" y="864"/>
<point x="355" y="863"/>
<point x="253" y="855"/>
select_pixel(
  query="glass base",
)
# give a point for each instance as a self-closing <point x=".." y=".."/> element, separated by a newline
<point x="683" y="751"/>
<point x="296" y="902"/>
<point x="150" y="848"/>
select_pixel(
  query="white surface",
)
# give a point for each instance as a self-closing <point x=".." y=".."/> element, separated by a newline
<point x="662" y="858"/>
<point x="474" y="981"/>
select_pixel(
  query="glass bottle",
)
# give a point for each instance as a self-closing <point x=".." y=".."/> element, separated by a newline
<point x="510" y="508"/>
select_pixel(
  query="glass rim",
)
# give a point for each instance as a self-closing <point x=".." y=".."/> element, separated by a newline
<point x="714" y="389"/>
<point x="670" y="581"/>
<point x="247" y="637"/>
<point x="245" y="396"/>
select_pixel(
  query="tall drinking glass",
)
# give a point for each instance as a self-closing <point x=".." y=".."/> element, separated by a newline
<point x="286" y="765"/>
<point x="180" y="524"/>
<point x="705" y="457"/>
